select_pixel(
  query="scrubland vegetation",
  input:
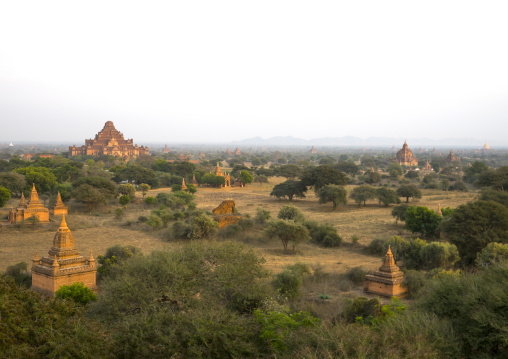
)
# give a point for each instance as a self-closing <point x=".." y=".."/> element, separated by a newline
<point x="286" y="280"/>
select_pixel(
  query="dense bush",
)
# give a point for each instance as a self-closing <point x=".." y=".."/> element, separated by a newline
<point x="192" y="302"/>
<point x="289" y="282"/>
<point x="76" y="292"/>
<point x="323" y="234"/>
<point x="475" y="305"/>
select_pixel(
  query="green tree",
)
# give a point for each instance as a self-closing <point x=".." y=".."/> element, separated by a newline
<point x="409" y="190"/>
<point x="422" y="220"/>
<point x="492" y="254"/>
<point x="34" y="326"/>
<point x="290" y="213"/>
<point x="124" y="199"/>
<point x="149" y="200"/>
<point x="195" y="301"/>
<point x="14" y="182"/>
<point x="33" y="220"/>
<point x="203" y="226"/>
<point x="287" y="231"/>
<point x="362" y="194"/>
<point x="290" y="171"/>
<point x="394" y="170"/>
<point x="387" y="196"/>
<point x="348" y="167"/>
<point x="472" y="173"/>
<point x="475" y="305"/>
<point x="138" y="174"/>
<point x="115" y="255"/>
<point x="144" y="188"/>
<point x="43" y="179"/>
<point x="333" y="193"/>
<point x="289" y="189"/>
<point x="89" y="195"/>
<point x="77" y="292"/>
<point x="474" y="225"/>
<point x="246" y="177"/>
<point x="321" y="176"/>
<point x="495" y="178"/>
<point x="399" y="212"/>
<point x="5" y="194"/>
<point x="127" y="189"/>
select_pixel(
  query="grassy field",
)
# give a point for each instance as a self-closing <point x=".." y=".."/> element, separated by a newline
<point x="97" y="233"/>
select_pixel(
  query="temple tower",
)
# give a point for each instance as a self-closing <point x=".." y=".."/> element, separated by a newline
<point x="388" y="281"/>
<point x="63" y="265"/>
<point x="59" y="207"/>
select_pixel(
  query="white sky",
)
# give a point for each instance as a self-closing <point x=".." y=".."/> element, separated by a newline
<point x="174" y="71"/>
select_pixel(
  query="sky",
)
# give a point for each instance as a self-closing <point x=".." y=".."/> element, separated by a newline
<point x="217" y="71"/>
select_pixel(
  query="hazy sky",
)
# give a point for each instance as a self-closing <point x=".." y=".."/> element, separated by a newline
<point x="174" y="71"/>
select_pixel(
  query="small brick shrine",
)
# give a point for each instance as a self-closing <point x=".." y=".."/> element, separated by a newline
<point x="63" y="265"/>
<point x="388" y="281"/>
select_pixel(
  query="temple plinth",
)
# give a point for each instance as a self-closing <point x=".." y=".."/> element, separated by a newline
<point x="63" y="265"/>
<point x="59" y="207"/>
<point x="388" y="281"/>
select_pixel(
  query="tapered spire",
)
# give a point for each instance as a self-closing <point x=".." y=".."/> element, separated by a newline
<point x="63" y="225"/>
<point x="34" y="199"/>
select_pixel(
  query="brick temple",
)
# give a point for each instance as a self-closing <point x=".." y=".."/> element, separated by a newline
<point x="405" y="156"/>
<point x="63" y="265"/>
<point x="388" y="281"/>
<point x="109" y="141"/>
<point x="34" y="208"/>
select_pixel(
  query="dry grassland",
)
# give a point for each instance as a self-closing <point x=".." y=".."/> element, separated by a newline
<point x="99" y="233"/>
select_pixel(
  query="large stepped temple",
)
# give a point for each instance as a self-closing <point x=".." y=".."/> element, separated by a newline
<point x="109" y="141"/>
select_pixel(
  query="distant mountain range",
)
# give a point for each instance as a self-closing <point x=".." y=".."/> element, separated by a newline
<point x="349" y="141"/>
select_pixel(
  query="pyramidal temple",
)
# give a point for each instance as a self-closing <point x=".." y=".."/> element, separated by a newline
<point x="109" y="141"/>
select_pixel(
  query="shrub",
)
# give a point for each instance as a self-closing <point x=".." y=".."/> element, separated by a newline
<point x="356" y="275"/>
<point x="376" y="246"/>
<point x="493" y="253"/>
<point x="289" y="282"/>
<point x="324" y="234"/>
<point x="119" y="212"/>
<point x="399" y="212"/>
<point x="475" y="305"/>
<point x="399" y="247"/>
<point x="113" y="256"/>
<point x="415" y="281"/>
<point x="176" y="187"/>
<point x="246" y="223"/>
<point x="262" y="216"/>
<point x="361" y="307"/>
<point x="20" y="274"/>
<point x="149" y="200"/>
<point x="291" y="213"/>
<point x="142" y="219"/>
<point x="77" y="292"/>
<point x="154" y="221"/>
<point x="355" y="239"/>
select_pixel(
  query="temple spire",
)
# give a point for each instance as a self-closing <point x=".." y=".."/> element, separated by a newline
<point x="63" y="225"/>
